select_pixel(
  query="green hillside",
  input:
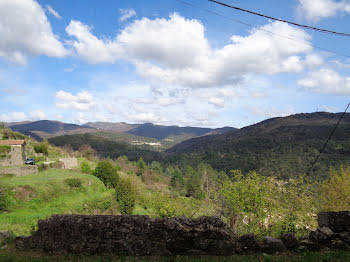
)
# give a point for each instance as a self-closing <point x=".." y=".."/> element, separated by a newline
<point x="283" y="147"/>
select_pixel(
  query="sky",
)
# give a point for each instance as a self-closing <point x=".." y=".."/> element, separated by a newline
<point x="170" y="63"/>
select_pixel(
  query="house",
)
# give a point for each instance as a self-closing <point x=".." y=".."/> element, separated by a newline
<point x="12" y="153"/>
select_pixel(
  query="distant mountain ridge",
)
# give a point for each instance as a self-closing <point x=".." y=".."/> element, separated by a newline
<point x="45" y="129"/>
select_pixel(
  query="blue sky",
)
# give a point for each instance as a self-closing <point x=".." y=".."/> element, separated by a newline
<point x="168" y="63"/>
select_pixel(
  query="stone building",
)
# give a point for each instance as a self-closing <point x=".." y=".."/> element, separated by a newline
<point x="12" y="153"/>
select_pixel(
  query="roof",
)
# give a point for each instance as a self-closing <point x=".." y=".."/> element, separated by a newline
<point x="12" y="142"/>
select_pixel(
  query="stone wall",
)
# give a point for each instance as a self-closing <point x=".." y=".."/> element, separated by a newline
<point x="69" y="163"/>
<point x="19" y="171"/>
<point x="131" y="235"/>
<point x="16" y="157"/>
<point x="143" y="236"/>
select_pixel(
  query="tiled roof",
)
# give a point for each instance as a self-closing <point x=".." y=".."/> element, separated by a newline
<point x="12" y="142"/>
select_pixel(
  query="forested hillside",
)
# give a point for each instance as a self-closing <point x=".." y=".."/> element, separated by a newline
<point x="282" y="147"/>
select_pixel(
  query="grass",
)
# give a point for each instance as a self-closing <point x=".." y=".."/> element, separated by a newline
<point x="34" y="197"/>
<point x="336" y="256"/>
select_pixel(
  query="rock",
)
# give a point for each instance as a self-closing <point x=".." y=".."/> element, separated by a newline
<point x="321" y="235"/>
<point x="337" y="221"/>
<point x="307" y="244"/>
<point x="345" y="236"/>
<point x="272" y="245"/>
<point x="5" y="236"/>
<point x="290" y="241"/>
<point x="131" y="236"/>
<point x="249" y="243"/>
<point x="338" y="244"/>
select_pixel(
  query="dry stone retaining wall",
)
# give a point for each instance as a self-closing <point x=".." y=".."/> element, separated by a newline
<point x="131" y="235"/>
<point x="143" y="236"/>
<point x="69" y="163"/>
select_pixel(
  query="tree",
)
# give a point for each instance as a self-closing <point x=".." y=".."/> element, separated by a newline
<point x="42" y="147"/>
<point x="107" y="173"/>
<point x="141" y="167"/>
<point x="85" y="167"/>
<point x="193" y="184"/>
<point x="126" y="196"/>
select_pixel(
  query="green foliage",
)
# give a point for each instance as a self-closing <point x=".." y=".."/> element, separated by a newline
<point x="267" y="206"/>
<point x="4" y="151"/>
<point x="193" y="184"/>
<point x="42" y="147"/>
<point x="3" y="199"/>
<point x="85" y="167"/>
<point x="126" y="196"/>
<point x="166" y="206"/>
<point x="107" y="173"/>
<point x="156" y="166"/>
<point x="335" y="191"/>
<point x="141" y="165"/>
<point x="74" y="182"/>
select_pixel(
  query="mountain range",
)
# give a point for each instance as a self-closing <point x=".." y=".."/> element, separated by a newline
<point x="164" y="136"/>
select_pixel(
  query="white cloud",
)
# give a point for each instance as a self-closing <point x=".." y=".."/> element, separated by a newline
<point x="53" y="12"/>
<point x="326" y="81"/>
<point x="83" y="101"/>
<point x="13" y="117"/>
<point x="126" y="14"/>
<point x="315" y="10"/>
<point x="217" y="97"/>
<point x="175" y="51"/>
<point x="37" y="115"/>
<point x="269" y="112"/>
<point x="330" y="109"/>
<point x="25" y="31"/>
<point x="89" y="47"/>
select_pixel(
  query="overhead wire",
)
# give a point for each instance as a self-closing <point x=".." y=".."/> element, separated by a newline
<point x="262" y="29"/>
<point x="328" y="139"/>
<point x="281" y="20"/>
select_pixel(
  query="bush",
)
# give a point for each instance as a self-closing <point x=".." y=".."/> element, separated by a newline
<point x="107" y="173"/>
<point x="85" y="167"/>
<point x="3" y="200"/>
<point x="335" y="192"/>
<point x="73" y="182"/>
<point x="42" y="148"/>
<point x="141" y="167"/>
<point x="126" y="196"/>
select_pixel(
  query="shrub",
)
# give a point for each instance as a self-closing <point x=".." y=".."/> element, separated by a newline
<point x="126" y="196"/>
<point x="85" y="167"/>
<point x="73" y="182"/>
<point x="4" y="151"/>
<point x="335" y="192"/>
<point x="141" y="167"/>
<point x="107" y="173"/>
<point x="3" y="200"/>
<point x="42" y="148"/>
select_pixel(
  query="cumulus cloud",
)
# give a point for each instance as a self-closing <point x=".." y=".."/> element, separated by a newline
<point x="37" y="115"/>
<point x="25" y="31"/>
<point x="217" y="97"/>
<point x="126" y="14"/>
<point x="13" y="117"/>
<point x="83" y="101"/>
<point x="315" y="10"/>
<point x="53" y="12"/>
<point x="176" y="52"/>
<point x="89" y="47"/>
<point x="326" y="81"/>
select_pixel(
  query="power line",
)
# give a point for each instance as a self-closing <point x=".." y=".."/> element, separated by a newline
<point x="264" y="30"/>
<point x="281" y="20"/>
<point x="329" y="138"/>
